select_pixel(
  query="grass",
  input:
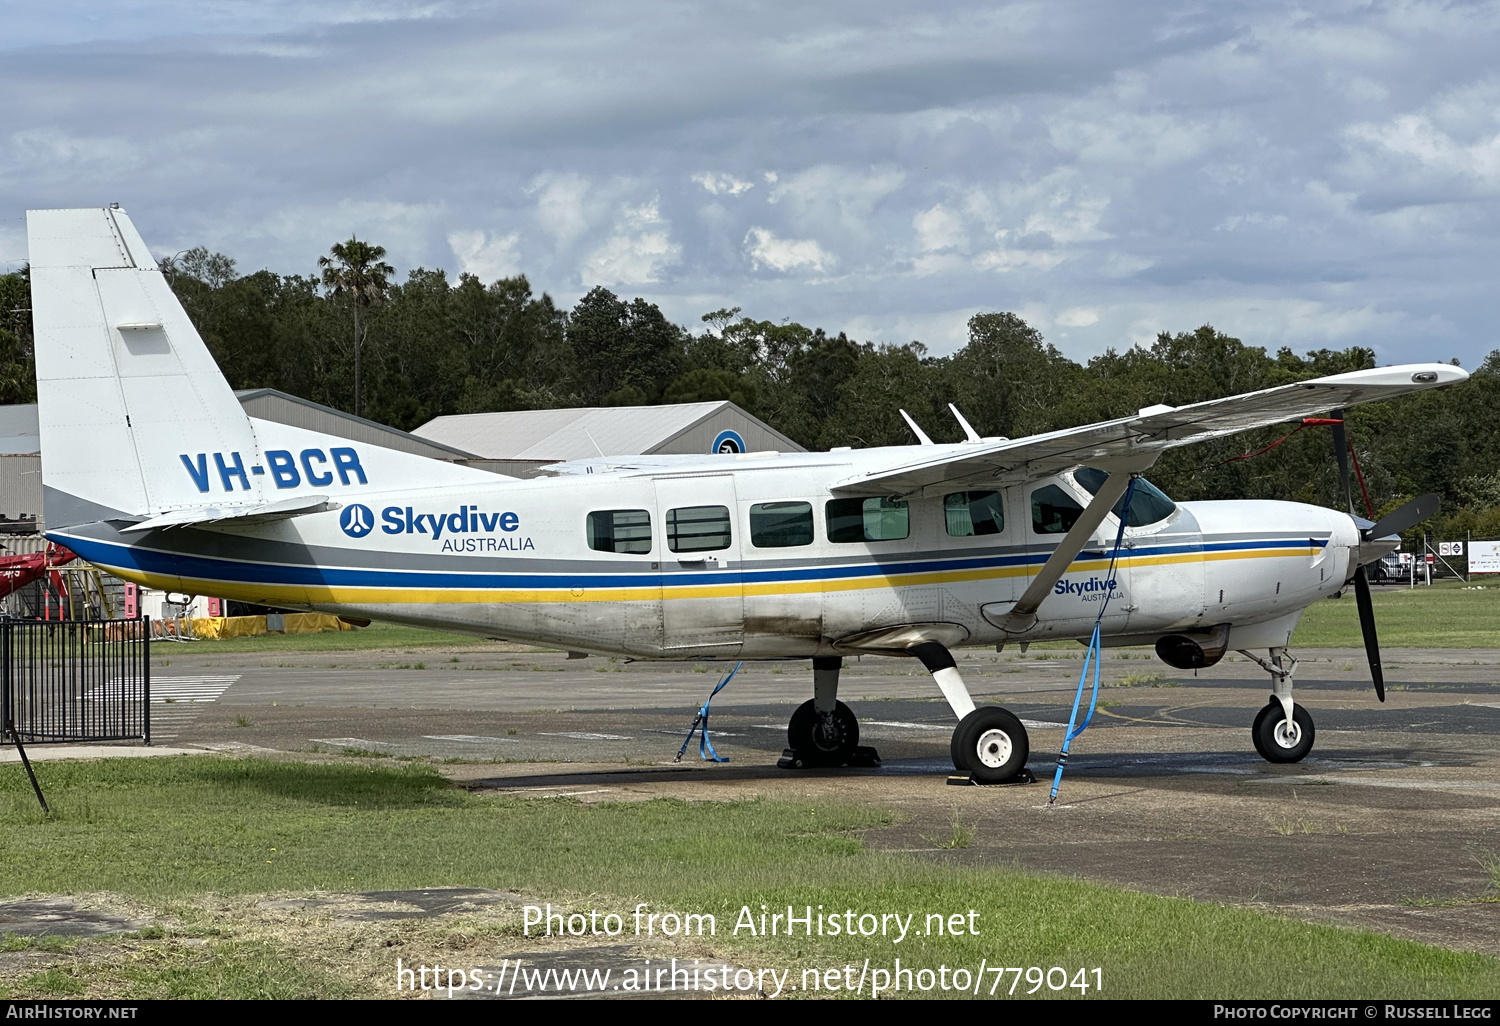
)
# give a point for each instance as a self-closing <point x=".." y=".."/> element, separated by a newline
<point x="1446" y="615"/>
<point x="192" y="833"/>
<point x="960" y="835"/>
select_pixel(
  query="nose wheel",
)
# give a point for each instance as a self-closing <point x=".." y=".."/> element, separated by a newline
<point x="1278" y="739"/>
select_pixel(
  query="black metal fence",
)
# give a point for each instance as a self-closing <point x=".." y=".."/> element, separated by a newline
<point x="76" y="680"/>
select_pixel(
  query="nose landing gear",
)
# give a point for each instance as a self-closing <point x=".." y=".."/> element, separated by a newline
<point x="1283" y="731"/>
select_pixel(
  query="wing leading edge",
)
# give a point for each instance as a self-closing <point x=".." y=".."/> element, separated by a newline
<point x="1138" y="440"/>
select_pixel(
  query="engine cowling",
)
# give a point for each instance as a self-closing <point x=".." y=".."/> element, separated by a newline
<point x="1193" y="650"/>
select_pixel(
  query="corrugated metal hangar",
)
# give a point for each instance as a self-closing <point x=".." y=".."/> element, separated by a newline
<point x="520" y="442"/>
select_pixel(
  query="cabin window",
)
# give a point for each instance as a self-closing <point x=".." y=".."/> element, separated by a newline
<point x="866" y="520"/>
<point x="698" y="528"/>
<point x="1053" y="511"/>
<point x="1148" y="503"/>
<point x="620" y="530"/>
<point x="974" y="513"/>
<point x="781" y="525"/>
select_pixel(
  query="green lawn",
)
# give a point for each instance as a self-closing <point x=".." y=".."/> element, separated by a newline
<point x="170" y="831"/>
<point x="1447" y="615"/>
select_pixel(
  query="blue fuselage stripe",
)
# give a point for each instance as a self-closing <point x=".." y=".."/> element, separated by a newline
<point x="171" y="564"/>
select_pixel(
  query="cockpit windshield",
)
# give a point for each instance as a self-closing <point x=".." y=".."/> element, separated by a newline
<point x="1148" y="503"/>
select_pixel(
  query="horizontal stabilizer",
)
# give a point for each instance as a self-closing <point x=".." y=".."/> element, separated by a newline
<point x="235" y="516"/>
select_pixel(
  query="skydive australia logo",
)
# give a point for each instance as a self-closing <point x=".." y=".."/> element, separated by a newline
<point x="357" y="520"/>
<point x="467" y="529"/>
<point x="1091" y="590"/>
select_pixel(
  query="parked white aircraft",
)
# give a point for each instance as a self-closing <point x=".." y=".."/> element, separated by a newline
<point x="153" y="471"/>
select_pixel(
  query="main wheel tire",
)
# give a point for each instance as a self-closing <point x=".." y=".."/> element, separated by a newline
<point x="823" y="741"/>
<point x="1279" y="741"/>
<point x="991" y="745"/>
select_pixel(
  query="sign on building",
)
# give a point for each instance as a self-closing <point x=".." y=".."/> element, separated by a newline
<point x="1450" y="548"/>
<point x="1484" y="557"/>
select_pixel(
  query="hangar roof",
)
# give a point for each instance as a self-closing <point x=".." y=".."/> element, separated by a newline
<point x="583" y="432"/>
<point x="20" y="434"/>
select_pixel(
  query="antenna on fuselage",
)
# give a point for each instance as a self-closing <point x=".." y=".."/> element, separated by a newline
<point x="921" y="435"/>
<point x="970" y="435"/>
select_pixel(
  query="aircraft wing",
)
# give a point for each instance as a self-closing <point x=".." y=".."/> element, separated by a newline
<point x="1137" y="441"/>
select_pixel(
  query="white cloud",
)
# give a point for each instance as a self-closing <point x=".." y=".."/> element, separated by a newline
<point x="638" y="251"/>
<point x="488" y="259"/>
<point x="560" y="205"/>
<point x="939" y="228"/>
<point x="830" y="194"/>
<point x="1003" y="260"/>
<point x="783" y="255"/>
<point x="1077" y="317"/>
<point x="1423" y="143"/>
<point x="723" y="184"/>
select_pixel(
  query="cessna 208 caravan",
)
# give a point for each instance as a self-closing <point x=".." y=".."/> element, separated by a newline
<point x="153" y="471"/>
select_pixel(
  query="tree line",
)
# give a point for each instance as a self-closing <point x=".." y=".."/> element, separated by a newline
<point x="429" y="346"/>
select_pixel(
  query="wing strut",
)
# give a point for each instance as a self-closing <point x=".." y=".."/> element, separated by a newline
<point x="1022" y="616"/>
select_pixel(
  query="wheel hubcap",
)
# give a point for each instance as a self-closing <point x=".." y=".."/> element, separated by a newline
<point x="1287" y="734"/>
<point x="994" y="748"/>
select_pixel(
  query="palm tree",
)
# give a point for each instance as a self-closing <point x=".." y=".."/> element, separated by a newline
<point x="354" y="269"/>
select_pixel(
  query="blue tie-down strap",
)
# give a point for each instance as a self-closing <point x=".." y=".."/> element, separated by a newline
<point x="700" y="721"/>
<point x="1095" y="655"/>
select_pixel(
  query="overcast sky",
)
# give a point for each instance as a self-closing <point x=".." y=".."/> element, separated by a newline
<point x="1309" y="175"/>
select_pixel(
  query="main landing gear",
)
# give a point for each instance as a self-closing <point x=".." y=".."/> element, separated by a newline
<point x="1282" y="731"/>
<point x="824" y="731"/>
<point x="989" y="744"/>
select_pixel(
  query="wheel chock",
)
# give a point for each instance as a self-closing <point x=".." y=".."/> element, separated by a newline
<point x="863" y="757"/>
<point x="967" y="780"/>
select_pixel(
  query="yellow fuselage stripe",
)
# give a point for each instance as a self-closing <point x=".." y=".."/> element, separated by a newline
<point x="322" y="594"/>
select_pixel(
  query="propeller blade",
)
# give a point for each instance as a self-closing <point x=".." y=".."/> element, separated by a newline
<point x="1367" y="627"/>
<point x="1404" y="517"/>
<point x="1341" y="450"/>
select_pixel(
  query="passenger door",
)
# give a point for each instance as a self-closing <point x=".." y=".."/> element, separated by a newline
<point x="702" y="602"/>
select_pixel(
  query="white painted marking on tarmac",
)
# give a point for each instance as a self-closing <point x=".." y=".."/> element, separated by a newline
<point x="908" y="726"/>
<point x="678" y="733"/>
<point x="581" y="736"/>
<point x="471" y="739"/>
<point x="1456" y="786"/>
<point x="190" y="689"/>
<point x="1041" y="724"/>
<point x="351" y="742"/>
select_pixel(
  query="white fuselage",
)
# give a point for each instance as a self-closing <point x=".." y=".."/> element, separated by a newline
<point x="512" y="559"/>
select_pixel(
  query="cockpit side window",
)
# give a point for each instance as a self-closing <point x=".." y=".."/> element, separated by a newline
<point x="1148" y="503"/>
<point x="1053" y="511"/>
<point x="968" y="514"/>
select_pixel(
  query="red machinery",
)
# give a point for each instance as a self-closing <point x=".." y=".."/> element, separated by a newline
<point x="18" y="571"/>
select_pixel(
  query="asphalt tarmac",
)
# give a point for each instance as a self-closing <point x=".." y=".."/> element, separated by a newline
<point x="1390" y="824"/>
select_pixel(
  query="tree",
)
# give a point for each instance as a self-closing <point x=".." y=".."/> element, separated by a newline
<point x="17" y="366"/>
<point x="355" y="269"/>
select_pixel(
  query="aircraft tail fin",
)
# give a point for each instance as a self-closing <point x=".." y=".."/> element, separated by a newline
<point x="125" y="384"/>
<point x="137" y="422"/>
